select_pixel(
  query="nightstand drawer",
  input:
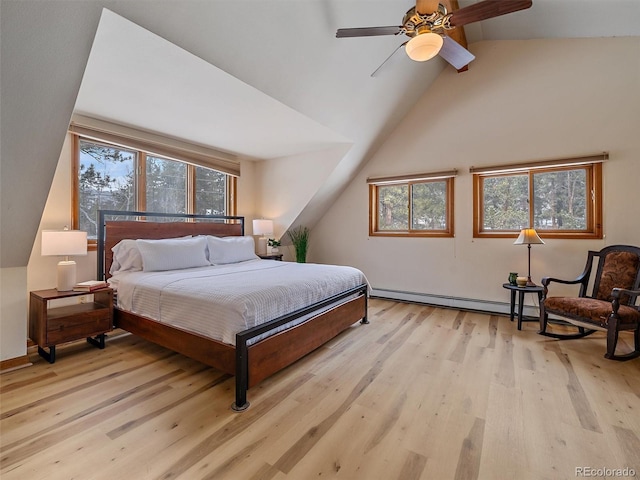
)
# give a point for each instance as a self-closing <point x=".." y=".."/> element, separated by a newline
<point x="65" y="329"/>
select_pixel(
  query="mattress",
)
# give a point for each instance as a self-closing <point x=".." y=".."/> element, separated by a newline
<point x="222" y="300"/>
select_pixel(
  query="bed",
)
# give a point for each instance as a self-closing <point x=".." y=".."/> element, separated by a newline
<point x="264" y="341"/>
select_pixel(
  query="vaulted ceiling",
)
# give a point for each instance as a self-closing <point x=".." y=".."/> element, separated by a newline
<point x="201" y="68"/>
<point x="277" y="56"/>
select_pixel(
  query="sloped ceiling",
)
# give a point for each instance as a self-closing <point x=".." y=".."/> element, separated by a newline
<point x="198" y="87"/>
<point x="285" y="49"/>
<point x="140" y="79"/>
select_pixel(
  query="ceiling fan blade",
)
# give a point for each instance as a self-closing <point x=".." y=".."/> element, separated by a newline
<point x="388" y="58"/>
<point x="455" y="54"/>
<point x="367" y="31"/>
<point x="426" y="6"/>
<point x="457" y="34"/>
<point x="487" y="9"/>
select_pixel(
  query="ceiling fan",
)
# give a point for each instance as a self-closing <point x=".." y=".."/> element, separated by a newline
<point x="429" y="25"/>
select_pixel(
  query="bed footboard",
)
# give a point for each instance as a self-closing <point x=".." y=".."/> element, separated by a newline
<point x="260" y="360"/>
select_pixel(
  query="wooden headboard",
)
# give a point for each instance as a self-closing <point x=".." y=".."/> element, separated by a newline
<point x="111" y="230"/>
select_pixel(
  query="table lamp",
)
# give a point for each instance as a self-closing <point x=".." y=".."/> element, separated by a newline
<point x="528" y="237"/>
<point x="64" y="243"/>
<point x="265" y="228"/>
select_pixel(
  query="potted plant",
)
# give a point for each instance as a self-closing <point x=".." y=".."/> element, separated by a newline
<point x="300" y="238"/>
<point x="274" y="244"/>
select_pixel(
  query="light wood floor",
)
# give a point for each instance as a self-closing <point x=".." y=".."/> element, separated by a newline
<point x="421" y="392"/>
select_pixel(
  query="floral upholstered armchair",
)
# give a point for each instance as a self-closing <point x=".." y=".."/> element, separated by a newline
<point x="611" y="306"/>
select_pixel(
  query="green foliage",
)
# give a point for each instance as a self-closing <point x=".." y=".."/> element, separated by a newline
<point x="393" y="211"/>
<point x="559" y="201"/>
<point x="429" y="206"/>
<point x="272" y="242"/>
<point x="426" y="202"/>
<point x="166" y="183"/>
<point x="300" y="239"/>
<point x="107" y="181"/>
<point x="506" y="204"/>
<point x="211" y="191"/>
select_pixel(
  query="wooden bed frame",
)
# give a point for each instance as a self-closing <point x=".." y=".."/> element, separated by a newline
<point x="249" y="363"/>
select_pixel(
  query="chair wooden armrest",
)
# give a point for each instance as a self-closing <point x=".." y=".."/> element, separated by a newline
<point x="583" y="279"/>
<point x="616" y="293"/>
<point x="548" y="280"/>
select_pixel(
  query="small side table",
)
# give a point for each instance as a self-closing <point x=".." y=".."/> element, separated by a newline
<point x="271" y="256"/>
<point x="49" y="327"/>
<point x="521" y="291"/>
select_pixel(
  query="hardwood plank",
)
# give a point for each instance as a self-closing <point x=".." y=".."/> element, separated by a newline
<point x="469" y="460"/>
<point x="421" y="392"/>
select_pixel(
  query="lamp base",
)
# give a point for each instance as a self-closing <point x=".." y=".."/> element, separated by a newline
<point x="66" y="275"/>
<point x="530" y="283"/>
<point x="262" y="245"/>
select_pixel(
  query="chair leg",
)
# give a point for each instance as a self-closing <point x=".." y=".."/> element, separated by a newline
<point x="612" y="337"/>
<point x="612" y="340"/>
<point x="543" y="320"/>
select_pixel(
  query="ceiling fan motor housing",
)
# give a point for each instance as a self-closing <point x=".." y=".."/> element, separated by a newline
<point x="414" y="23"/>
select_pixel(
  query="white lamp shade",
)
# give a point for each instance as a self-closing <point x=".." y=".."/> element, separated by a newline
<point x="424" y="46"/>
<point x="528" y="236"/>
<point x="263" y="227"/>
<point x="64" y="242"/>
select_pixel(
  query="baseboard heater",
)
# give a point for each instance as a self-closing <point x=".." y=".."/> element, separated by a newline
<point x="486" y="306"/>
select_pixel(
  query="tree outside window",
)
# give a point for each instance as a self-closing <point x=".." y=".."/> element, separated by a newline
<point x="412" y="208"/>
<point x="210" y="192"/>
<point x="561" y="202"/>
<point x="110" y="177"/>
<point x="105" y="182"/>
<point x="166" y="185"/>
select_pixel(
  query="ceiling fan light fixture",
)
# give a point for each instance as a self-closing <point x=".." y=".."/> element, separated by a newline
<point x="424" y="46"/>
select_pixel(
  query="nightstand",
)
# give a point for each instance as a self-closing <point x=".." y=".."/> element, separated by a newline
<point x="49" y="327"/>
<point x="271" y="256"/>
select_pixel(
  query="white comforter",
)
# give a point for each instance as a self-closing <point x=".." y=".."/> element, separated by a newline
<point x="219" y="301"/>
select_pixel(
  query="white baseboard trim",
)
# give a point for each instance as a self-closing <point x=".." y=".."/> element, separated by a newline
<point x="501" y="308"/>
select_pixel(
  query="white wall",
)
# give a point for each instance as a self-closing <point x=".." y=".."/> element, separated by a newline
<point x="286" y="185"/>
<point x="519" y="101"/>
<point x="41" y="271"/>
<point x="13" y="312"/>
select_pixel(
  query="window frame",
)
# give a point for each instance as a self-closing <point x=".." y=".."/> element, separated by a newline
<point x="594" y="211"/>
<point x="409" y="181"/>
<point x="140" y="178"/>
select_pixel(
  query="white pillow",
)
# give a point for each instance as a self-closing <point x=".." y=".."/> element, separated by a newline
<point x="126" y="257"/>
<point x="173" y="254"/>
<point x="223" y="250"/>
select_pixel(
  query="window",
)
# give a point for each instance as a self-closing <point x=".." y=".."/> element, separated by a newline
<point x="110" y="177"/>
<point x="561" y="199"/>
<point x="165" y="185"/>
<point x="416" y="205"/>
